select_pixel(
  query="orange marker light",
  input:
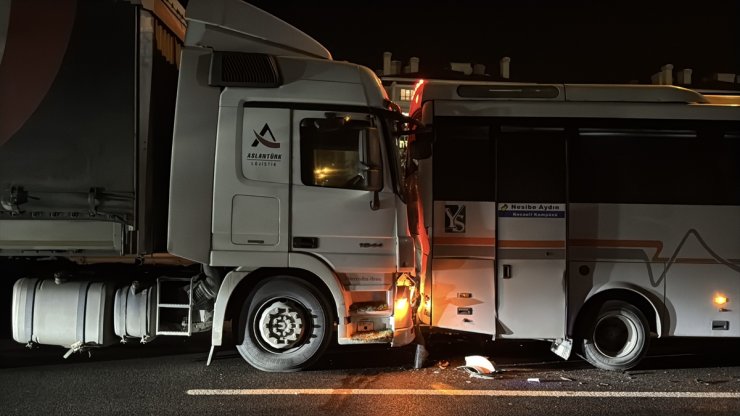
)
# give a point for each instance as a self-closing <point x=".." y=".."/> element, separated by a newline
<point x="720" y="300"/>
<point x="401" y="313"/>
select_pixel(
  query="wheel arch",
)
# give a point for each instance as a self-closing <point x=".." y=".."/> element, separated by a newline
<point x="238" y="284"/>
<point x="649" y="304"/>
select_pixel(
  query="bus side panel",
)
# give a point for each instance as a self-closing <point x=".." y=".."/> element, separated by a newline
<point x="704" y="262"/>
<point x="682" y="254"/>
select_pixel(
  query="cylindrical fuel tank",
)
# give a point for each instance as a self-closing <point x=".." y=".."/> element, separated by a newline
<point x="64" y="313"/>
<point x="135" y="312"/>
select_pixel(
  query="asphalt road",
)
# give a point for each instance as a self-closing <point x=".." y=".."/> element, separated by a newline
<point x="169" y="376"/>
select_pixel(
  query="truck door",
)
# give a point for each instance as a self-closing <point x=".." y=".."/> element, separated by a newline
<point x="531" y="231"/>
<point x="334" y="214"/>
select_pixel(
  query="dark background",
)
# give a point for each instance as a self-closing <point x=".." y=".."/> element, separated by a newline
<point x="573" y="41"/>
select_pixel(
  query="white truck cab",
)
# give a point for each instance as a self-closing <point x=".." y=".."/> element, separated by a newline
<point x="284" y="185"/>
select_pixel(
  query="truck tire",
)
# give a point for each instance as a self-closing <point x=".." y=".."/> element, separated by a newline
<point x="287" y="324"/>
<point x="618" y="338"/>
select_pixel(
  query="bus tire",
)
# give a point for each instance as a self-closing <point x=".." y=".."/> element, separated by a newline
<point x="618" y="338"/>
<point x="287" y="324"/>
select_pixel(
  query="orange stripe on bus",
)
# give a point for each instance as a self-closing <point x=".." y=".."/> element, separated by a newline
<point x="654" y="244"/>
<point x="643" y="244"/>
<point x="532" y="244"/>
<point x="465" y="241"/>
<point x="483" y="241"/>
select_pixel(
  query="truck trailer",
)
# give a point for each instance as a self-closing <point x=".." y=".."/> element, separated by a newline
<point x="166" y="173"/>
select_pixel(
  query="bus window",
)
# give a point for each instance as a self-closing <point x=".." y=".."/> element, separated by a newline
<point x="463" y="162"/>
<point x="531" y="164"/>
<point x="652" y="166"/>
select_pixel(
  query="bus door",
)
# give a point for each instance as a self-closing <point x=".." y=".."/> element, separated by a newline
<point x="464" y="222"/>
<point x="531" y="231"/>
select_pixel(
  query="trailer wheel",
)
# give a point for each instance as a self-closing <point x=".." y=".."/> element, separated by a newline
<point x="618" y="338"/>
<point x="286" y="324"/>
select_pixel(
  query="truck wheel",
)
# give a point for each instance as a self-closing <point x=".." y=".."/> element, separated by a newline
<point x="617" y="338"/>
<point x="286" y="324"/>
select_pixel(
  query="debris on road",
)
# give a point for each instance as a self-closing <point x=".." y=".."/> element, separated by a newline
<point x="482" y="364"/>
<point x="566" y="378"/>
<point x="483" y="376"/>
<point x="533" y="380"/>
<point x="443" y="364"/>
<point x="710" y="382"/>
<point x="479" y="367"/>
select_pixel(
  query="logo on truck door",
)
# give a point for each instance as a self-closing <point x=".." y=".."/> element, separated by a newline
<point x="261" y="137"/>
<point x="454" y="218"/>
<point x="264" y="157"/>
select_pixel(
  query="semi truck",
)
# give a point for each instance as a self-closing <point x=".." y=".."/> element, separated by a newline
<point x="167" y="173"/>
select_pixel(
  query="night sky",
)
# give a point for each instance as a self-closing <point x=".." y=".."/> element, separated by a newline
<point x="548" y="41"/>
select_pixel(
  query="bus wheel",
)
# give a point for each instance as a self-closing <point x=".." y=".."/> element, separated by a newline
<point x="287" y="325"/>
<point x="617" y="338"/>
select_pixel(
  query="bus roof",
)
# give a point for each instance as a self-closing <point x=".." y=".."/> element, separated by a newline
<point x="471" y="91"/>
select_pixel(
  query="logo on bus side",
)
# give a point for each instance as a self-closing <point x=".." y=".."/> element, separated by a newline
<point x="531" y="210"/>
<point x="454" y="218"/>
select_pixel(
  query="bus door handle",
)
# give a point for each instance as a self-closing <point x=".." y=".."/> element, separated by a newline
<point x="507" y="271"/>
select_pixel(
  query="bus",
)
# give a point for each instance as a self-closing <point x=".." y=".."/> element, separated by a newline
<point x="593" y="216"/>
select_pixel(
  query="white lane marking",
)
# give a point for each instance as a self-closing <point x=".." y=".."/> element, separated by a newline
<point x="489" y="393"/>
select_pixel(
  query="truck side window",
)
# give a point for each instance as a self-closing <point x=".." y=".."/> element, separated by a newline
<point x="333" y="156"/>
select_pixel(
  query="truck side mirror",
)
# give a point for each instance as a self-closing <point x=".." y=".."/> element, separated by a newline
<point x="374" y="160"/>
<point x="374" y="180"/>
<point x="421" y="147"/>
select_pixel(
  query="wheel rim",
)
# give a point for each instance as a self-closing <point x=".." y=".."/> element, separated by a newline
<point x="280" y="325"/>
<point x="615" y="336"/>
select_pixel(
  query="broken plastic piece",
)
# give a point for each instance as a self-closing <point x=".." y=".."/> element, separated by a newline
<point x="484" y="376"/>
<point x="562" y="348"/>
<point x="77" y="346"/>
<point x="480" y="364"/>
<point x="479" y="367"/>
